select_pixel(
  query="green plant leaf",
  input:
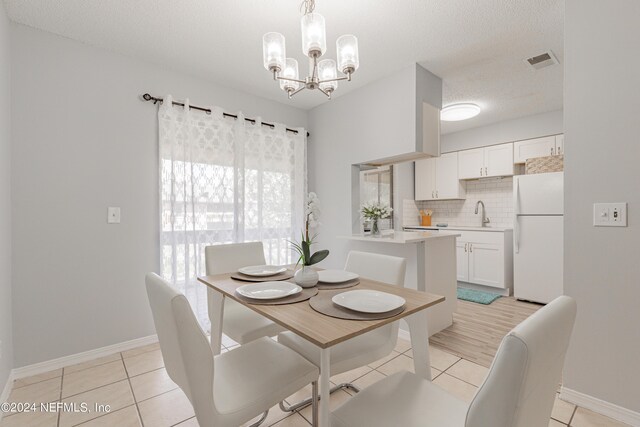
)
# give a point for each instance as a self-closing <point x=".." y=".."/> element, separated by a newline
<point x="306" y="252"/>
<point x="318" y="256"/>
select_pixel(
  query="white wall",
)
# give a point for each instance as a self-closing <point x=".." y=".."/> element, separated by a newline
<point x="602" y="155"/>
<point x="6" y="358"/>
<point x="83" y="141"/>
<point x="506" y="131"/>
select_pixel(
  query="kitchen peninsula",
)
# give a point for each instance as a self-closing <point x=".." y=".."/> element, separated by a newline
<point x="436" y="268"/>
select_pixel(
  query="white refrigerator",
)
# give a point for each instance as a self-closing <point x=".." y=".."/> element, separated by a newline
<point x="538" y="236"/>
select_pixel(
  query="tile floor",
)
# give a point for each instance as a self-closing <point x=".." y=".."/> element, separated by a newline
<point x="140" y="392"/>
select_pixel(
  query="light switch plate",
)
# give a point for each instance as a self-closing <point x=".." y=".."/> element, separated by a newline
<point x="113" y="215"/>
<point x="610" y="214"/>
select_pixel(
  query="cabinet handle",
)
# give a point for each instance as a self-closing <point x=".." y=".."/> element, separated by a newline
<point x="552" y="151"/>
<point x="480" y="171"/>
<point x="465" y="247"/>
<point x="558" y="150"/>
<point x="486" y="173"/>
<point x="470" y="247"/>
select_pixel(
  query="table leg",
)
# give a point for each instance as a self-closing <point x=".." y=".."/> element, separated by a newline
<point x="215" y="303"/>
<point x="419" y="331"/>
<point x="325" y="373"/>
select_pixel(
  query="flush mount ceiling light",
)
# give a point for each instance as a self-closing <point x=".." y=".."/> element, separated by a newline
<point x="457" y="112"/>
<point x="323" y="74"/>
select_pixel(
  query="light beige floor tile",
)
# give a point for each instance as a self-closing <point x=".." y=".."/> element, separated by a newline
<point x="337" y="399"/>
<point x="294" y="420"/>
<point x="125" y="417"/>
<point x="91" y="363"/>
<point x="456" y="387"/>
<point x="385" y="359"/>
<point x="145" y="362"/>
<point x="166" y="410"/>
<point x="42" y="392"/>
<point x="350" y="376"/>
<point x="367" y="380"/>
<point x="90" y="378"/>
<point x="402" y="345"/>
<point x="401" y="363"/>
<point x="151" y="384"/>
<point x="440" y="360"/>
<point x="554" y="423"/>
<point x="228" y="342"/>
<point x="142" y="349"/>
<point x="299" y="395"/>
<point x="586" y="418"/>
<point x="117" y="396"/>
<point x="562" y="411"/>
<point x="30" y="419"/>
<point x="191" y="422"/>
<point x="468" y="371"/>
<point x="37" y="378"/>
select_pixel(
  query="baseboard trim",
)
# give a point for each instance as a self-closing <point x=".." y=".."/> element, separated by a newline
<point x="600" y="406"/>
<point x="6" y="391"/>
<point x="85" y="356"/>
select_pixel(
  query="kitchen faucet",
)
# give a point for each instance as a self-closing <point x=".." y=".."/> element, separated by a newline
<point x="485" y="219"/>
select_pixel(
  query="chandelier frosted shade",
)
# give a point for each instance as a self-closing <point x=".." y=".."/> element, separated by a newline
<point x="347" y="48"/>
<point x="290" y="71"/>
<point x="273" y="51"/>
<point x="314" y="39"/>
<point x="327" y="71"/>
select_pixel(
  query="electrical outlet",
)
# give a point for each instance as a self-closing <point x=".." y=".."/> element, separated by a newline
<point x="610" y="214"/>
<point x="113" y="215"/>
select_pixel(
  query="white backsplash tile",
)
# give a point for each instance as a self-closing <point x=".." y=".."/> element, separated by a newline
<point x="497" y="195"/>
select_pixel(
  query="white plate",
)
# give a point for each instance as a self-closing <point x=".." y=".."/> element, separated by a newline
<point x="262" y="270"/>
<point x="336" y="276"/>
<point x="269" y="290"/>
<point x="368" y="301"/>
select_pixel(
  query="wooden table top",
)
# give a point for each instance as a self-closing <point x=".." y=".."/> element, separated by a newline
<point x="322" y="330"/>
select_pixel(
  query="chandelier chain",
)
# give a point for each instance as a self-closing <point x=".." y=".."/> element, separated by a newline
<point x="308" y="6"/>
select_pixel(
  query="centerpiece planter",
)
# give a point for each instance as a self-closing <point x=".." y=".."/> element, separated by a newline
<point x="307" y="277"/>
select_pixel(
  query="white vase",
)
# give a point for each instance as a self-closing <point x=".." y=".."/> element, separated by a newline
<point x="306" y="277"/>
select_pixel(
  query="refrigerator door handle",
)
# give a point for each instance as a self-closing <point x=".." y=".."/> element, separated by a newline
<point x="516" y="219"/>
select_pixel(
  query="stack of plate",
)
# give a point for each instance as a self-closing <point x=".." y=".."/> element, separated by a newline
<point x="368" y="301"/>
<point x="336" y="277"/>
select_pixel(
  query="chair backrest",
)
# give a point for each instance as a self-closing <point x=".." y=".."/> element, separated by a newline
<point x="521" y="384"/>
<point x="378" y="267"/>
<point x="185" y="349"/>
<point x="228" y="258"/>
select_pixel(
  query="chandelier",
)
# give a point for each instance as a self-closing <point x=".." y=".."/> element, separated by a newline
<point x="323" y="74"/>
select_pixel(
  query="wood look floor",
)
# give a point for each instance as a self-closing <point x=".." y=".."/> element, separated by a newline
<point x="478" y="329"/>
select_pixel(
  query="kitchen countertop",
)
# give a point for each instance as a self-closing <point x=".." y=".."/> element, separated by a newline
<point x="402" y="237"/>
<point x="460" y="228"/>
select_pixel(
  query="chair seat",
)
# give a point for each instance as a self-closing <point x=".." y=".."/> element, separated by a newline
<point x="348" y="355"/>
<point x="243" y="325"/>
<point x="250" y="378"/>
<point x="402" y="399"/>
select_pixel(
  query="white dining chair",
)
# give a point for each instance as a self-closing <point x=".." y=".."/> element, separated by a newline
<point x="234" y="387"/>
<point x="519" y="389"/>
<point x="239" y="323"/>
<point x="366" y="348"/>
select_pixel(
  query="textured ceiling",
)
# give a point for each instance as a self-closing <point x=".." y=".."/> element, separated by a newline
<point x="476" y="46"/>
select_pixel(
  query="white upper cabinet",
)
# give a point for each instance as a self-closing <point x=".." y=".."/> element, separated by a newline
<point x="496" y="160"/>
<point x="538" y="147"/>
<point x="437" y="178"/>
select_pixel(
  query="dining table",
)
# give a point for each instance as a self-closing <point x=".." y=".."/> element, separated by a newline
<point x="325" y="331"/>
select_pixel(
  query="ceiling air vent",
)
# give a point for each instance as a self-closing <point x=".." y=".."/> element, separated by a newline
<point x="542" y="61"/>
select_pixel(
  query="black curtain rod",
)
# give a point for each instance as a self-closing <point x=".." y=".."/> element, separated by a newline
<point x="155" y="100"/>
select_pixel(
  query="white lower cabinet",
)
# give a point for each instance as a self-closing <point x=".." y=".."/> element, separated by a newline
<point x="485" y="258"/>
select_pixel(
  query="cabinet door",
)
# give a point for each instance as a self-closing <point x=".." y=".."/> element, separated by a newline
<point x="471" y="163"/>
<point x="462" y="261"/>
<point x="486" y="264"/>
<point x="498" y="160"/>
<point x="448" y="185"/>
<point x="532" y="148"/>
<point x="560" y="144"/>
<point x="425" y="179"/>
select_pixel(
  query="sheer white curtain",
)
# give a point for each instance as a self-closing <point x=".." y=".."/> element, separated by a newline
<point x="224" y="181"/>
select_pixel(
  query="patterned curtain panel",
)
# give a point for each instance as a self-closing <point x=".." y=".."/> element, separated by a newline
<point x="225" y="181"/>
